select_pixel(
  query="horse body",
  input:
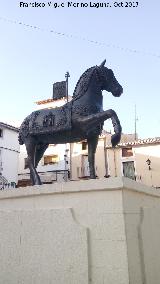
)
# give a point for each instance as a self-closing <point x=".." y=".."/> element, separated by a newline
<point x="82" y="118"/>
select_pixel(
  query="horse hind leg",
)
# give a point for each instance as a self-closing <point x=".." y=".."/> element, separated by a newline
<point x="40" y="149"/>
<point x="31" y="149"/>
<point x="92" y="145"/>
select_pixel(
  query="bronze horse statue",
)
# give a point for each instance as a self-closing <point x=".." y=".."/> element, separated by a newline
<point x="81" y="118"/>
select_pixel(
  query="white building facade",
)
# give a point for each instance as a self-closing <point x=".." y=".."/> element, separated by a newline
<point x="138" y="160"/>
<point x="9" y="155"/>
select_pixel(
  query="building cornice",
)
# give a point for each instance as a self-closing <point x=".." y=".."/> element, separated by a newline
<point x="8" y="126"/>
<point x="9" y="149"/>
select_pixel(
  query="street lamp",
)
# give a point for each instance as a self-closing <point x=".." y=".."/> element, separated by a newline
<point x="149" y="167"/>
<point x="149" y="164"/>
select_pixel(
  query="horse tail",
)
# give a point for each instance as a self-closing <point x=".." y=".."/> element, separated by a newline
<point x="20" y="138"/>
<point x="24" y="130"/>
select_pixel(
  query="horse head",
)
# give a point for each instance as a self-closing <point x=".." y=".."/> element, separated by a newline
<point x="108" y="80"/>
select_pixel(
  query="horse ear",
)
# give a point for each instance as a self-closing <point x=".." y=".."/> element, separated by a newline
<point x="103" y="63"/>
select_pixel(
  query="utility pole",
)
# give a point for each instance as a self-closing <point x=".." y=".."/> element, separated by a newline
<point x="67" y="75"/>
<point x="105" y="157"/>
<point x="135" y="124"/>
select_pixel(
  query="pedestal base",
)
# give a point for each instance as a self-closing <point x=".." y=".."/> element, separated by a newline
<point x="96" y="231"/>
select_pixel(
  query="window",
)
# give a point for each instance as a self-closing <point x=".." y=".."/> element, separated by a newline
<point x="84" y="145"/>
<point x="127" y="152"/>
<point x="129" y="170"/>
<point x="1" y="132"/>
<point x="51" y="159"/>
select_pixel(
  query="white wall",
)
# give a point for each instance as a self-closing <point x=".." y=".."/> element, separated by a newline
<point x="102" y="231"/>
<point x="9" y="139"/>
<point x="149" y="177"/>
<point x="59" y="150"/>
<point x="9" y="147"/>
<point x="140" y="155"/>
<point x="55" y="150"/>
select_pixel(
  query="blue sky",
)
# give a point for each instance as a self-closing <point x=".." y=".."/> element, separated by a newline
<point x="33" y="59"/>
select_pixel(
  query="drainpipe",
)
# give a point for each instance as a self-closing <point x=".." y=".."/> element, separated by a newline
<point x="105" y="158"/>
<point x="115" y="166"/>
<point x="70" y="161"/>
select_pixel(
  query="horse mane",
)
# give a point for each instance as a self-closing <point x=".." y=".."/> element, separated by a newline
<point x="83" y="83"/>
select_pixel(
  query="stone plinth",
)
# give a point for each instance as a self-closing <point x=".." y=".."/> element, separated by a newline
<point x="96" y="231"/>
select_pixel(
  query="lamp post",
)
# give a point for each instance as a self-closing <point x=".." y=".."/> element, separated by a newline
<point x="148" y="161"/>
<point x="149" y="164"/>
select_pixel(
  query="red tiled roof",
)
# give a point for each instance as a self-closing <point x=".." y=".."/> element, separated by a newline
<point x="142" y="141"/>
<point x="48" y="101"/>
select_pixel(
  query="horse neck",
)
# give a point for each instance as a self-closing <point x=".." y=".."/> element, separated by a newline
<point x="94" y="92"/>
<point x="94" y="85"/>
<point x="92" y="96"/>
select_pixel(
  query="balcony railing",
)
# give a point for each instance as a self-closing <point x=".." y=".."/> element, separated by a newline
<point x="46" y="177"/>
<point x="4" y="184"/>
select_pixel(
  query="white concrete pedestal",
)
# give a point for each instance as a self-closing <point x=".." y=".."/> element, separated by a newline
<point x="97" y="231"/>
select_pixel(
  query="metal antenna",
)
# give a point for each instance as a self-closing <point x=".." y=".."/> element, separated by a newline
<point x="135" y="124"/>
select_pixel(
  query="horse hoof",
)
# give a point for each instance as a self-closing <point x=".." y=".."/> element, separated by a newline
<point x="115" y="139"/>
<point x="38" y="183"/>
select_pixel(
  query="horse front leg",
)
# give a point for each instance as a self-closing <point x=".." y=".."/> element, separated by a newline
<point x="31" y="149"/>
<point x="93" y="120"/>
<point x="92" y="145"/>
